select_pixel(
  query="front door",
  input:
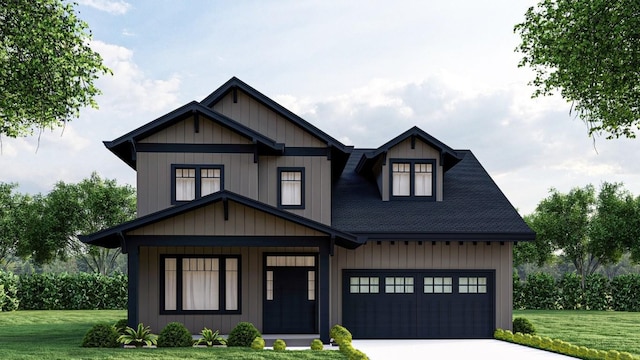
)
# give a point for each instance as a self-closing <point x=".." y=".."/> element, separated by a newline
<point x="290" y="298"/>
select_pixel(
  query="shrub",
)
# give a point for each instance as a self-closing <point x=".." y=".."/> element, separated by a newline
<point x="101" y="335"/>
<point x="243" y="334"/>
<point x="210" y="338"/>
<point x="612" y="355"/>
<point x="570" y="291"/>
<point x="138" y="337"/>
<point x="340" y="334"/>
<point x="121" y="325"/>
<point x="279" y="345"/>
<point x="175" y="335"/>
<point x="8" y="293"/>
<point x="623" y="292"/>
<point x="358" y="355"/>
<point x="597" y="292"/>
<point x="346" y="348"/>
<point x="523" y="325"/>
<point x="317" y="344"/>
<point x="540" y="292"/>
<point x="625" y="356"/>
<point x="258" y="343"/>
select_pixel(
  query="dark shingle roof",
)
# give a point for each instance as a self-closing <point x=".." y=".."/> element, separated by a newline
<point x="473" y="208"/>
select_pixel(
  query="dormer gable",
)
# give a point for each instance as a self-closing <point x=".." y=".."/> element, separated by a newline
<point x="193" y="116"/>
<point x="243" y="103"/>
<point x="411" y="166"/>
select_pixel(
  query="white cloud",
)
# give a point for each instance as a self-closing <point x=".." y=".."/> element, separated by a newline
<point x="118" y="7"/>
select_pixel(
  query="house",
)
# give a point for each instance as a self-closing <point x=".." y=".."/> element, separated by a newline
<point x="246" y="212"/>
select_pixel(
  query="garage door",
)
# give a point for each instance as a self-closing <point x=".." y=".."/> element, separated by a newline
<point x="420" y="304"/>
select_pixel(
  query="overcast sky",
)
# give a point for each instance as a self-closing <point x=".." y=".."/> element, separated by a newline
<point x="361" y="71"/>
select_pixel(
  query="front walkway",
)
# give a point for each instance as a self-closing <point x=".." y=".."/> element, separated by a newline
<point x="451" y="350"/>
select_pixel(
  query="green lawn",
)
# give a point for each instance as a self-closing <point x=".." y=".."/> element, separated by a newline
<point x="58" y="335"/>
<point x="603" y="330"/>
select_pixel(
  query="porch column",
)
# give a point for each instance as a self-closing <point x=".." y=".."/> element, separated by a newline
<point x="133" y="263"/>
<point x="325" y="298"/>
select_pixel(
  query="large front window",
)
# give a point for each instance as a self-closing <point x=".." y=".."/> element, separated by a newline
<point x="205" y="284"/>
<point x="412" y="179"/>
<point x="191" y="182"/>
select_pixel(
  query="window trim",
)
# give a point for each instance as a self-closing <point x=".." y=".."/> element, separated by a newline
<point x="302" y="187"/>
<point x="198" y="185"/>
<point x="412" y="165"/>
<point x="222" y="282"/>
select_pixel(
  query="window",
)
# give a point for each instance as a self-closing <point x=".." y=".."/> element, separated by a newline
<point x="291" y="188"/>
<point x="412" y="179"/>
<point x="194" y="181"/>
<point x="364" y="285"/>
<point x="200" y="284"/>
<point x="438" y="285"/>
<point x="398" y="285"/>
<point x="472" y="285"/>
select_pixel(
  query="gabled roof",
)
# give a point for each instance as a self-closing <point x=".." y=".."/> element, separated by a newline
<point x="124" y="146"/>
<point x="473" y="208"/>
<point x="448" y="156"/>
<point x="235" y="83"/>
<point x="113" y="237"/>
<point x="339" y="151"/>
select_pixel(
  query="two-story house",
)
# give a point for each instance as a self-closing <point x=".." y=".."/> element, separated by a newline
<point x="246" y="212"/>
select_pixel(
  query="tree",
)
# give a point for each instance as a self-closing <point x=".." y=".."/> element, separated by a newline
<point x="56" y="220"/>
<point x="588" y="230"/>
<point x="47" y="69"/>
<point x="589" y="51"/>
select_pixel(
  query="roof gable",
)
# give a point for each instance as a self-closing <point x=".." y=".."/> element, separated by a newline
<point x="115" y="236"/>
<point x="234" y="84"/>
<point x="448" y="156"/>
<point x="125" y="146"/>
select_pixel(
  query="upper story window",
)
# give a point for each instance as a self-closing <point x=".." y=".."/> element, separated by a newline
<point x="291" y="188"/>
<point x="413" y="178"/>
<point x="191" y="182"/>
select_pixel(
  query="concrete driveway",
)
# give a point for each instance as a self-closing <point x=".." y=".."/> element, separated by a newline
<point x="451" y="350"/>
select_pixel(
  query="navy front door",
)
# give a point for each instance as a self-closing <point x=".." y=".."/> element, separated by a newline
<point x="290" y="305"/>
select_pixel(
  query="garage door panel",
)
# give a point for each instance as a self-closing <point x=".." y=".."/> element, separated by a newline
<point x="433" y="307"/>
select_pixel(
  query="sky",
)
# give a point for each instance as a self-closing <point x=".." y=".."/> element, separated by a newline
<point x="361" y="71"/>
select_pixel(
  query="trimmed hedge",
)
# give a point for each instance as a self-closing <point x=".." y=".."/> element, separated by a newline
<point x="8" y="291"/>
<point x="82" y="291"/>
<point x="561" y="347"/>
<point x="541" y="291"/>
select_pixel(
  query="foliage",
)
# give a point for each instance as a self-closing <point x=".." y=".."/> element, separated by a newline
<point x="523" y="325"/>
<point x="47" y="67"/>
<point x="68" y="211"/>
<point x="35" y="335"/>
<point x="624" y="292"/>
<point x="258" y="343"/>
<point x="589" y="51"/>
<point x="588" y="230"/>
<point x="539" y="292"/>
<point x="8" y="291"/>
<point x="316" y="344"/>
<point x="121" y="325"/>
<point x="210" y="338"/>
<point x="570" y="291"/>
<point x="340" y="334"/>
<point x="140" y="336"/>
<point x="279" y="345"/>
<point x="66" y="292"/>
<point x="102" y="335"/>
<point x="597" y="292"/>
<point x="174" y="334"/>
<point x="10" y="204"/>
<point x="243" y="334"/>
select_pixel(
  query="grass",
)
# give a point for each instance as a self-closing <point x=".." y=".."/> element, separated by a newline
<point x="602" y="330"/>
<point x="58" y="335"/>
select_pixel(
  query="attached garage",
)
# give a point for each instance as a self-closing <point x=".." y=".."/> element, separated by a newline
<point x="419" y="304"/>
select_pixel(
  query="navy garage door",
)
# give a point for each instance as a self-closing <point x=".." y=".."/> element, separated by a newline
<point x="420" y="304"/>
